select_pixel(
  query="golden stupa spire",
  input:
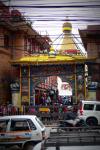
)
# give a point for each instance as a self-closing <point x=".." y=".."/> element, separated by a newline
<point x="68" y="46"/>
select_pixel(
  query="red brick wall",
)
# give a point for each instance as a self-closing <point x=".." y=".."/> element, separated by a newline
<point x="5" y="73"/>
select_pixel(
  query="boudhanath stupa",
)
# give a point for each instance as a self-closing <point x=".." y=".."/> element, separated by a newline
<point x="68" y="45"/>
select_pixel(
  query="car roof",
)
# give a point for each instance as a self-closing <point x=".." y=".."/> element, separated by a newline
<point x="90" y="101"/>
<point x="18" y="116"/>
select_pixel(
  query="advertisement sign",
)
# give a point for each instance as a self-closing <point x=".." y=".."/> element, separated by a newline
<point x="65" y="89"/>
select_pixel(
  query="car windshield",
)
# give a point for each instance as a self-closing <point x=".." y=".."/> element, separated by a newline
<point x="40" y="122"/>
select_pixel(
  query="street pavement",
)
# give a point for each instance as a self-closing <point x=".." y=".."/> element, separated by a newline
<point x="76" y="148"/>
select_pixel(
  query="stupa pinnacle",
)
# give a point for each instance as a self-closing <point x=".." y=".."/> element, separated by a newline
<point x="68" y="45"/>
<point x="67" y="27"/>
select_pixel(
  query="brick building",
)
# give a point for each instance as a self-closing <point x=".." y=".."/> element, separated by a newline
<point x="17" y="39"/>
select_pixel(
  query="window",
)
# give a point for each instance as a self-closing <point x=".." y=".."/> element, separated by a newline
<point x="31" y="124"/>
<point x="19" y="125"/>
<point x="88" y="106"/>
<point x="99" y="54"/>
<point x="6" y="41"/>
<point x="97" y="107"/>
<point x="28" y="44"/>
<point x="3" y="125"/>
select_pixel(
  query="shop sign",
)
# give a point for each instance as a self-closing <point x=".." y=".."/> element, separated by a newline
<point x="92" y="85"/>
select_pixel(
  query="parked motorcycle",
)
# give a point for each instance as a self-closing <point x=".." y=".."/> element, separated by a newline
<point x="72" y="123"/>
<point x="71" y="120"/>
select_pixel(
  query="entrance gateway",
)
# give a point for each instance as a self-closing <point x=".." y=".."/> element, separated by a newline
<point x="32" y="73"/>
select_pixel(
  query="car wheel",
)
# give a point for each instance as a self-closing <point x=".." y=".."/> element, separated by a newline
<point x="92" y="121"/>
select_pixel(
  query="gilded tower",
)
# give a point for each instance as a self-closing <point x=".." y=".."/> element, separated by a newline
<point x="68" y="45"/>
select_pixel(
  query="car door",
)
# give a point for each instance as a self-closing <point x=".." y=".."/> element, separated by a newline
<point x="19" y="131"/>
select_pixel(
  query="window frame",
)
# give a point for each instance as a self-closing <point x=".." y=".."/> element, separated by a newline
<point x="89" y="108"/>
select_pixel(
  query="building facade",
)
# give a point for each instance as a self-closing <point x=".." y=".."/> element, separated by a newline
<point x="17" y="39"/>
<point x="91" y="41"/>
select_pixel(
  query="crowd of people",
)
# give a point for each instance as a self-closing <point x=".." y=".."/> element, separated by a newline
<point x="55" y="107"/>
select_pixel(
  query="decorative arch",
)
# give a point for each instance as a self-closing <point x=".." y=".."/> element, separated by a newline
<point x="31" y="75"/>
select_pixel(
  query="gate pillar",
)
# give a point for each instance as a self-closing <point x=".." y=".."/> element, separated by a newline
<point x="25" y="84"/>
<point x="80" y="85"/>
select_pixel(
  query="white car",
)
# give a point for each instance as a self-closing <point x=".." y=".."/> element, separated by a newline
<point x="90" y="112"/>
<point x="21" y="130"/>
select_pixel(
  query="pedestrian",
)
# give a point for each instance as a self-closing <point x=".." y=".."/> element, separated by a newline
<point x="65" y="109"/>
<point x="48" y="100"/>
